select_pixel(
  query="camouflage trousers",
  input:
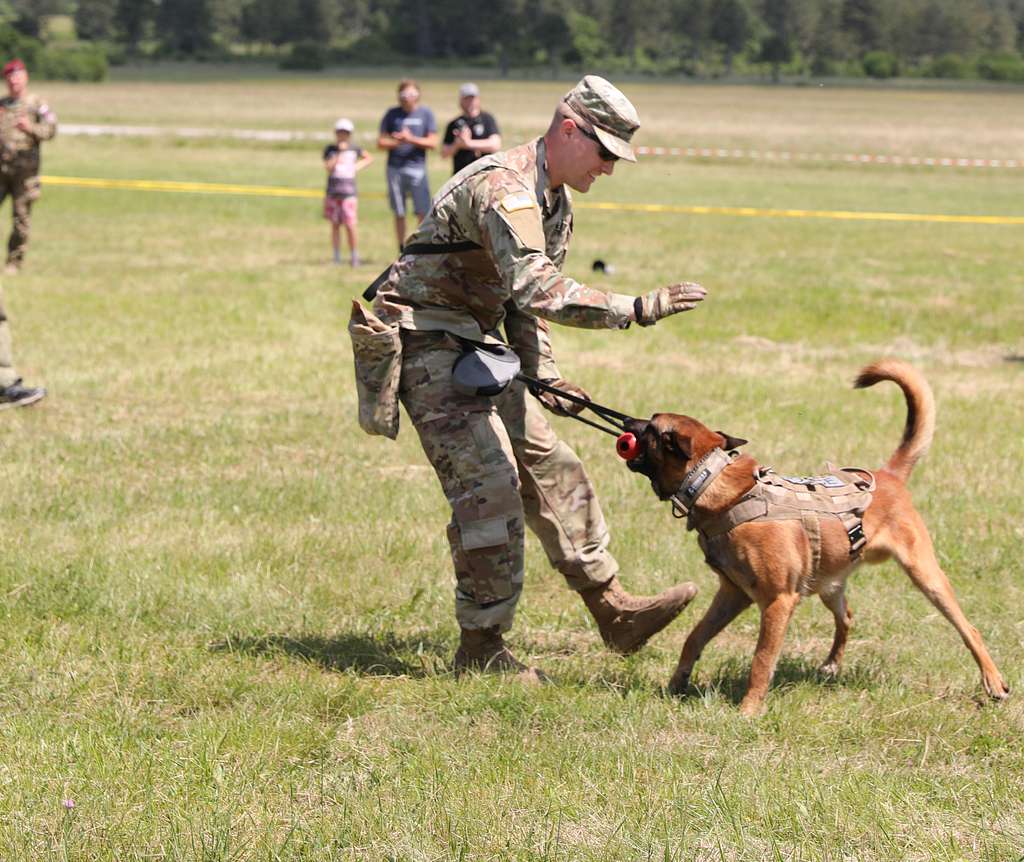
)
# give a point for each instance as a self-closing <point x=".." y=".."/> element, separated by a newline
<point x="24" y="190"/>
<point x="7" y="373"/>
<point x="501" y="468"/>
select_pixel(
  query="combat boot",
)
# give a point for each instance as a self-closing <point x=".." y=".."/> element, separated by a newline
<point x="485" y="650"/>
<point x="627" y="622"/>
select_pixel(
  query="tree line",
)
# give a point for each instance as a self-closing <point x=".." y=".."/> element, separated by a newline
<point x="702" y="38"/>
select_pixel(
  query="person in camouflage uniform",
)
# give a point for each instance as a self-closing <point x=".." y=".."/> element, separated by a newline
<point x="25" y="120"/>
<point x="489" y="254"/>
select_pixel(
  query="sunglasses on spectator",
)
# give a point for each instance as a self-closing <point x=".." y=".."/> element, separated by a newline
<point x="603" y="153"/>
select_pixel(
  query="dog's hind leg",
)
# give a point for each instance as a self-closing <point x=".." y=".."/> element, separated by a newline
<point x="834" y="597"/>
<point x="775" y="618"/>
<point x="917" y="557"/>
<point x="727" y="604"/>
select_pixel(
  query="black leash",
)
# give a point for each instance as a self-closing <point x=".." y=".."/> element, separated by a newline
<point x="612" y="417"/>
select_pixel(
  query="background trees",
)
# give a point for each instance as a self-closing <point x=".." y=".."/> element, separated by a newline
<point x="707" y="38"/>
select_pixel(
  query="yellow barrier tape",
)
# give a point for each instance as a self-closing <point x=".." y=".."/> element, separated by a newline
<point x="829" y="214"/>
<point x="748" y="212"/>
<point x="171" y="186"/>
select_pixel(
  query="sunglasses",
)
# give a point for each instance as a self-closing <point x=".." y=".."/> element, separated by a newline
<point x="603" y="153"/>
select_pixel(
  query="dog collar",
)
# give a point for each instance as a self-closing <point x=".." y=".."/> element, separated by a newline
<point x="699" y="479"/>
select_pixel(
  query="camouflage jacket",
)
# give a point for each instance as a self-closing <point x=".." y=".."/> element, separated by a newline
<point x="503" y="204"/>
<point x="17" y="146"/>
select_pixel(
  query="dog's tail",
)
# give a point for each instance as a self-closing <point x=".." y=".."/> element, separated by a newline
<point x="917" y="435"/>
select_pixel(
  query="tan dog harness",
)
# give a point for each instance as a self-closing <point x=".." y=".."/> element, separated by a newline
<point x="842" y="493"/>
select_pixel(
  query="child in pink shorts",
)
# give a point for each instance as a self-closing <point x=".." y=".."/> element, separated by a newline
<point x="342" y="162"/>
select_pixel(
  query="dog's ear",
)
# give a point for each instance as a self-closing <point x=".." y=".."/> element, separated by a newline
<point x="672" y="442"/>
<point x="731" y="442"/>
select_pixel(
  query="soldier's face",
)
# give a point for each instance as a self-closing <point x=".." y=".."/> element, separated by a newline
<point x="16" y="82"/>
<point x="586" y="165"/>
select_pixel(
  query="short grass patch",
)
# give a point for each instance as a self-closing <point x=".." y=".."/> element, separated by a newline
<point x="227" y="612"/>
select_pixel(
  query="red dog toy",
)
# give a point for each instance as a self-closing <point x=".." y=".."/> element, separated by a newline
<point x="627" y="446"/>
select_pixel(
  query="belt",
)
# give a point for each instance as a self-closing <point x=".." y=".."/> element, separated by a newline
<point x="420" y="248"/>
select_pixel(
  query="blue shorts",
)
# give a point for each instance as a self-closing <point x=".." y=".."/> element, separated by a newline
<point x="410" y="180"/>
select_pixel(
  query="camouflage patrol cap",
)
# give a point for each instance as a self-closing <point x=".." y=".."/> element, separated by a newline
<point x="611" y="115"/>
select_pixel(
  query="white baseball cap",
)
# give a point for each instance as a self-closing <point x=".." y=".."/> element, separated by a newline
<point x="468" y="90"/>
<point x="344" y="125"/>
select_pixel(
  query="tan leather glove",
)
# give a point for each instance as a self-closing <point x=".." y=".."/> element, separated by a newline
<point x="559" y="406"/>
<point x="652" y="307"/>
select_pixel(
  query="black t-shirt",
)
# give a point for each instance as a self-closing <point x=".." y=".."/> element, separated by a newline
<point x="481" y="126"/>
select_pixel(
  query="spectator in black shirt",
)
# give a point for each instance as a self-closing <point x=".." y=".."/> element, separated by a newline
<point x="472" y="134"/>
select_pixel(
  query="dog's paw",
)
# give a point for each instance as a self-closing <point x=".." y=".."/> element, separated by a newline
<point x="751" y="707"/>
<point x="829" y="670"/>
<point x="997" y="688"/>
<point x="678" y="685"/>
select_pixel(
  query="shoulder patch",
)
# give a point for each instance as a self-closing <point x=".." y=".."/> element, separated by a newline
<point x="525" y="223"/>
<point x="515" y="202"/>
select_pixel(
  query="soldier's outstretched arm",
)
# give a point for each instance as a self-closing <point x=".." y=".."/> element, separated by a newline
<point x="513" y="235"/>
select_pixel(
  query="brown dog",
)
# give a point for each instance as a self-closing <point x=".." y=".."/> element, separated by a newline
<point x="775" y="562"/>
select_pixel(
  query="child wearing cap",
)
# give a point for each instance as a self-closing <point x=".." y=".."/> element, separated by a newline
<point x="342" y="162"/>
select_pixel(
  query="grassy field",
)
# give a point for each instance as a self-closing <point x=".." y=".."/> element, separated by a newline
<point x="226" y="612"/>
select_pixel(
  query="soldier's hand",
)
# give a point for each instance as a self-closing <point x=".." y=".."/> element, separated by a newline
<point x="652" y="307"/>
<point x="559" y="406"/>
<point x="24" y="123"/>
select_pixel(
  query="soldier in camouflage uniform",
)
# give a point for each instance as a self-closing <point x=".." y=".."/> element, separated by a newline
<point x="25" y="120"/>
<point x="489" y="254"/>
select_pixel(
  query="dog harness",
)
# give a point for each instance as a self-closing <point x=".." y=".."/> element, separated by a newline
<point x="843" y="493"/>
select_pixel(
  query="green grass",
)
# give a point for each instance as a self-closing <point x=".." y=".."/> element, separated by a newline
<point x="227" y="612"/>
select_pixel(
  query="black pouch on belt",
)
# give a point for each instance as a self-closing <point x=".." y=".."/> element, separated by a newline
<point x="484" y="369"/>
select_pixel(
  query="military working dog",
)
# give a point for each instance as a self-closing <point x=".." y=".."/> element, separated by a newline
<point x="773" y="539"/>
